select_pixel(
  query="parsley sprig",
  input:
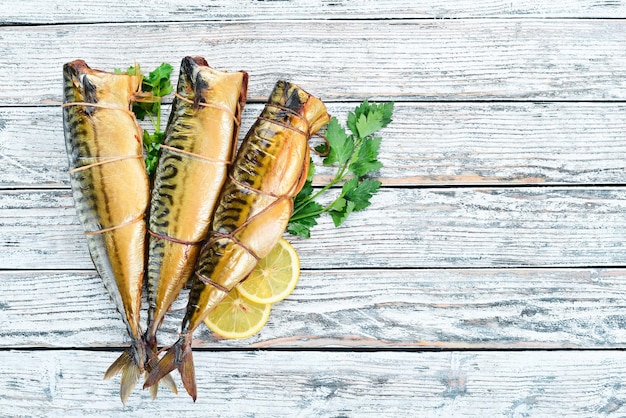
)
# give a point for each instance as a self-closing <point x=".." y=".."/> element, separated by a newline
<point x="157" y="83"/>
<point x="354" y="154"/>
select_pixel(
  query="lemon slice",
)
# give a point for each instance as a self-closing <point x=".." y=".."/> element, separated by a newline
<point x="238" y="317"/>
<point x="275" y="277"/>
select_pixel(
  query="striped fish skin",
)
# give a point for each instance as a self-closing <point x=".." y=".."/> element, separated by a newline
<point x="187" y="184"/>
<point x="258" y="204"/>
<point x="254" y="208"/>
<point x="110" y="198"/>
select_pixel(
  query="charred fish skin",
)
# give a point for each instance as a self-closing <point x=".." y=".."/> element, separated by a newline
<point x="200" y="140"/>
<point x="110" y="189"/>
<point x="253" y="211"/>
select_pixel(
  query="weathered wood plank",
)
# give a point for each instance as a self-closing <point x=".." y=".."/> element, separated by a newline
<point x="438" y="384"/>
<point x="428" y="143"/>
<point x="91" y="11"/>
<point x="344" y="60"/>
<point x="494" y="308"/>
<point x="489" y="227"/>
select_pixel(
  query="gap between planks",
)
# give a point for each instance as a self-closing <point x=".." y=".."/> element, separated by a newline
<point x="345" y="350"/>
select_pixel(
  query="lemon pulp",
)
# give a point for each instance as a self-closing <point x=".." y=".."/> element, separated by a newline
<point x="274" y="277"/>
<point x="238" y="317"/>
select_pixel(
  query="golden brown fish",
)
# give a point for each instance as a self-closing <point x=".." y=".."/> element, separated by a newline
<point x="111" y="190"/>
<point x="254" y="208"/>
<point x="200" y="142"/>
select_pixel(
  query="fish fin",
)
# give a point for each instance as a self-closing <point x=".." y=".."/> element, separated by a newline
<point x="187" y="372"/>
<point x="129" y="367"/>
<point x="164" y="366"/>
<point x="151" y="362"/>
<point x="154" y="391"/>
<point x="117" y="365"/>
<point x="178" y="356"/>
<point x="130" y="376"/>
<point x="169" y="383"/>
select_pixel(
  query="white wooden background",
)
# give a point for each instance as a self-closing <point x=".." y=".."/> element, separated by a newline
<point x="487" y="279"/>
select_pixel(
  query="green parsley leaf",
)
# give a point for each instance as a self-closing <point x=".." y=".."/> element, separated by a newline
<point x="322" y="149"/>
<point x="369" y="118"/>
<point x="353" y="116"/>
<point x="374" y="119"/>
<point x="158" y="81"/>
<point x="306" y="191"/>
<point x="297" y="228"/>
<point x="360" y="193"/>
<point x="355" y="153"/>
<point x="339" y="217"/>
<point x="300" y="229"/>
<point x="131" y="70"/>
<point x="301" y="225"/>
<point x="303" y="194"/>
<point x="366" y="161"/>
<point x="341" y="144"/>
<point x="141" y="110"/>
<point x="338" y="205"/>
<point x="151" y="143"/>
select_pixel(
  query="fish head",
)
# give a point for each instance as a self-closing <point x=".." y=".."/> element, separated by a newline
<point x="94" y="86"/>
<point x="191" y="84"/>
<point x="309" y="107"/>
<point x="74" y="76"/>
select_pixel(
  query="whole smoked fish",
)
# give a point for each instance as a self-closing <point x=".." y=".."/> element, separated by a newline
<point x="111" y="192"/>
<point x="200" y="142"/>
<point x="254" y="208"/>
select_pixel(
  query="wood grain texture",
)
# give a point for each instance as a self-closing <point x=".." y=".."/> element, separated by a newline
<point x="408" y="228"/>
<point x="427" y="144"/>
<point x="466" y="59"/>
<point x="460" y="308"/>
<point x="91" y="11"/>
<point x="491" y="94"/>
<point x="326" y="384"/>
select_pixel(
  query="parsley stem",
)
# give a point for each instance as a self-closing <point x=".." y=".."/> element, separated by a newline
<point x="306" y="215"/>
<point x="154" y="125"/>
<point x="314" y="213"/>
<point x="341" y="173"/>
<point x="157" y="127"/>
<point x="303" y="203"/>
<point x="354" y="155"/>
<point x="318" y="212"/>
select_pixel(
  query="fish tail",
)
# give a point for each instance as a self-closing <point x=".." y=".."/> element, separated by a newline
<point x="178" y="356"/>
<point x="151" y="361"/>
<point x="130" y="366"/>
